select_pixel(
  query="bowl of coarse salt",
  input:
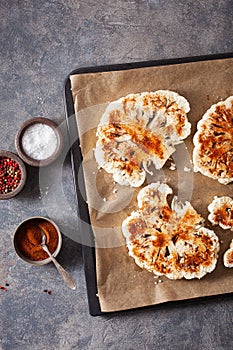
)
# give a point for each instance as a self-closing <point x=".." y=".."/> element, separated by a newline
<point x="39" y="141"/>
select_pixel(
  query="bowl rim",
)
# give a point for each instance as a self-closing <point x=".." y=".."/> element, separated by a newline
<point x="9" y="154"/>
<point x="37" y="262"/>
<point x="18" y="141"/>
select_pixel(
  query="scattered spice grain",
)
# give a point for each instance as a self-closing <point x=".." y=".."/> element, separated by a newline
<point x="48" y="291"/>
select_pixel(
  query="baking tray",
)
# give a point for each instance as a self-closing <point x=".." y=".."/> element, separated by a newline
<point x="88" y="249"/>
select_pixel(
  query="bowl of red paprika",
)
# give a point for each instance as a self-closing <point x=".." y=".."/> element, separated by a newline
<point x="28" y="238"/>
<point x="12" y="174"/>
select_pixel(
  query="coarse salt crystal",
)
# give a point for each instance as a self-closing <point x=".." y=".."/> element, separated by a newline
<point x="39" y="141"/>
<point x="172" y="166"/>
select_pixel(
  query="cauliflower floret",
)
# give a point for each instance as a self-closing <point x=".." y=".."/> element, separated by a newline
<point x="228" y="256"/>
<point x="169" y="241"/>
<point x="221" y="212"/>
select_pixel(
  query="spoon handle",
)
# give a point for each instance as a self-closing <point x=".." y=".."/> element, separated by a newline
<point x="65" y="275"/>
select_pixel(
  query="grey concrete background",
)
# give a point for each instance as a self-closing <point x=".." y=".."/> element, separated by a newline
<point x="41" y="42"/>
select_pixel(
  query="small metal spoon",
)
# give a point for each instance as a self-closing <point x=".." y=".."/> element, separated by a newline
<point x="65" y="275"/>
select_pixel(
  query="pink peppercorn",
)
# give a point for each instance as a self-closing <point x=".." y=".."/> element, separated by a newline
<point x="10" y="175"/>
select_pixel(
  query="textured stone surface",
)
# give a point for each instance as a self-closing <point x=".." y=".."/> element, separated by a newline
<point x="41" y="42"/>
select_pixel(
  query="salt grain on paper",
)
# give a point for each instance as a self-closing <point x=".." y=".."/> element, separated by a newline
<point x="172" y="166"/>
<point x="39" y="141"/>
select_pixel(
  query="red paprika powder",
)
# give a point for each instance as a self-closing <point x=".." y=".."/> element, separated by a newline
<point x="28" y="239"/>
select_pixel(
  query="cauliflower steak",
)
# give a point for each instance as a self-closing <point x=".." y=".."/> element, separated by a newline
<point x="138" y="130"/>
<point x="213" y="142"/>
<point x="169" y="240"/>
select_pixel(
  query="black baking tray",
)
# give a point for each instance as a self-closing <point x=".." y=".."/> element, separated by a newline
<point x="88" y="248"/>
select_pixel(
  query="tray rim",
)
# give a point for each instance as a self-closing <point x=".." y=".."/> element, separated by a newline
<point x="88" y="251"/>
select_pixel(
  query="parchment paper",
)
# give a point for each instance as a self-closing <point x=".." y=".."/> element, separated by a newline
<point x="121" y="283"/>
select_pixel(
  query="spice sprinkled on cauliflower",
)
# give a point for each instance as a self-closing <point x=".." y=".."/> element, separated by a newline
<point x="169" y="240"/>
<point x="213" y="142"/>
<point x="221" y="212"/>
<point x="228" y="256"/>
<point x="140" y="130"/>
